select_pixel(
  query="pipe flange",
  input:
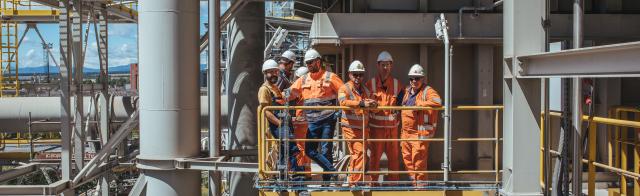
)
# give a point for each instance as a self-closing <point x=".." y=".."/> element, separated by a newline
<point x="156" y="164"/>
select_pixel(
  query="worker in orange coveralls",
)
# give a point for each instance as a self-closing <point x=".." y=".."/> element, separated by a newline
<point x="318" y="88"/>
<point x="384" y="123"/>
<point x="355" y="94"/>
<point x="300" y="128"/>
<point x="418" y="124"/>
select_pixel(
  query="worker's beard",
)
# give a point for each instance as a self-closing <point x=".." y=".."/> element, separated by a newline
<point x="273" y="79"/>
<point x="314" y="68"/>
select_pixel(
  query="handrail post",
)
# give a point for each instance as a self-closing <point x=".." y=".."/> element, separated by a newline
<point x="623" y="155"/>
<point x="592" y="158"/>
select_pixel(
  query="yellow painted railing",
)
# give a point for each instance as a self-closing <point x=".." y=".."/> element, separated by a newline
<point x="616" y="146"/>
<point x="265" y="143"/>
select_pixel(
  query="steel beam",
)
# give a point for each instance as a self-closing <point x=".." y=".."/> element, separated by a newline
<point x="50" y="189"/>
<point x="18" y="171"/>
<point x="616" y="60"/>
<point x="79" y="135"/>
<point x="216" y="164"/>
<point x="139" y="188"/>
<point x="523" y="34"/>
<point x="65" y="89"/>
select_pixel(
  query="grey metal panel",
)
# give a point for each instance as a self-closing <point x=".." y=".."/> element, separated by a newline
<point x="617" y="60"/>
<point x="372" y="28"/>
<point x="395" y="5"/>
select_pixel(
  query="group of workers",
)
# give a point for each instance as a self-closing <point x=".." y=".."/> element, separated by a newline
<point x="315" y="86"/>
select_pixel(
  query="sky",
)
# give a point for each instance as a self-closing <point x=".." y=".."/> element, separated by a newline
<point x="123" y="45"/>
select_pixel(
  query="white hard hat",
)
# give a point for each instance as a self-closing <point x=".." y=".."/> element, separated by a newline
<point x="416" y="71"/>
<point x="311" y="54"/>
<point x="356" y="66"/>
<point x="289" y="55"/>
<point x="269" y="64"/>
<point x="301" y="71"/>
<point x="384" y="56"/>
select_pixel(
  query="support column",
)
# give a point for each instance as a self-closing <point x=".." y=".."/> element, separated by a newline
<point x="169" y="94"/>
<point x="523" y="34"/>
<point x="65" y="89"/>
<point x="214" y="88"/>
<point x="101" y="33"/>
<point x="246" y="51"/>
<point x="79" y="136"/>
<point x="485" y="119"/>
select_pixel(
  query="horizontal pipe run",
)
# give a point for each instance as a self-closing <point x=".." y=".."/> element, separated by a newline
<point x="45" y="112"/>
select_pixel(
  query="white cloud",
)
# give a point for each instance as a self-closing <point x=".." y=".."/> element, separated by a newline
<point x="30" y="53"/>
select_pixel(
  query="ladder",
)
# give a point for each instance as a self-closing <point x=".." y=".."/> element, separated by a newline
<point x="9" y="83"/>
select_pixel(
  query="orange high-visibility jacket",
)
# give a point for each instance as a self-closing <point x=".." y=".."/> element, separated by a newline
<point x="317" y="89"/>
<point x="385" y="93"/>
<point x="421" y="122"/>
<point x="349" y="96"/>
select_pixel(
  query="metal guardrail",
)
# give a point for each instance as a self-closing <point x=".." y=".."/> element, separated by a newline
<point x="265" y="144"/>
<point x="616" y="146"/>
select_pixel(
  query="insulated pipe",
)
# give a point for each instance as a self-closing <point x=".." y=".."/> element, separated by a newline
<point x="45" y="112"/>
<point x="169" y="93"/>
<point x="576" y="101"/>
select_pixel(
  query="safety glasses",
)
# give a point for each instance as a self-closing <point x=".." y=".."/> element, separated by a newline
<point x="385" y="64"/>
<point x="357" y="75"/>
<point x="414" y="79"/>
<point x="309" y="61"/>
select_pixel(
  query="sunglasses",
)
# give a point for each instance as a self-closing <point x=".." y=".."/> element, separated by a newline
<point x="357" y="75"/>
<point x="385" y="64"/>
<point x="309" y="62"/>
<point x="414" y="79"/>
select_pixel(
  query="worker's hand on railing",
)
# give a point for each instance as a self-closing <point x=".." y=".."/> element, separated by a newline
<point x="370" y="103"/>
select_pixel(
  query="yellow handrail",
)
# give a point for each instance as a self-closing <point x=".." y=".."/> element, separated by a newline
<point x="263" y="142"/>
<point x="620" y="167"/>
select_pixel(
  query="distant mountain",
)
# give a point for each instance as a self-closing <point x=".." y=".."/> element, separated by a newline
<point x="122" y="69"/>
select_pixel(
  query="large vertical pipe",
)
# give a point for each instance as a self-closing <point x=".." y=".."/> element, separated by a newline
<point x="214" y="93"/>
<point x="246" y="50"/>
<point x="547" y="120"/>
<point x="169" y="93"/>
<point x="577" y="102"/>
